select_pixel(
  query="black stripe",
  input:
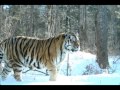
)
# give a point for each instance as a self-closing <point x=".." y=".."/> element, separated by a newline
<point x="38" y="63"/>
<point x="1" y="54"/>
<point x="41" y="59"/>
<point x="21" y="50"/>
<point x="12" y="42"/>
<point x="30" y="61"/>
<point x="16" y="70"/>
<point x="5" y="45"/>
<point x="37" y="56"/>
<point x="61" y="51"/>
<point x="27" y="60"/>
<point x="16" y="61"/>
<point x="31" y="50"/>
<point x="27" y="44"/>
<point x="16" y="47"/>
<point x="16" y="65"/>
<point x="6" y="69"/>
<point x="49" y="47"/>
<point x="8" y="47"/>
<point x="63" y="35"/>
<point x="32" y="53"/>
<point x="24" y="40"/>
<point x="37" y="46"/>
<point x="25" y="48"/>
<point x="7" y="65"/>
<point x="17" y="54"/>
<point x="32" y="43"/>
<point x="34" y="64"/>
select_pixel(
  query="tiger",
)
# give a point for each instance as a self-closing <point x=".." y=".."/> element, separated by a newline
<point x="23" y="51"/>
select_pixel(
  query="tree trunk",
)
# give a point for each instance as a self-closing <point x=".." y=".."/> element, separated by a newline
<point x="51" y="20"/>
<point x="83" y="34"/>
<point x="30" y="22"/>
<point x="102" y="36"/>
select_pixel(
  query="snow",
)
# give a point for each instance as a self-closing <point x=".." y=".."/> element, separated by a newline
<point x="83" y="71"/>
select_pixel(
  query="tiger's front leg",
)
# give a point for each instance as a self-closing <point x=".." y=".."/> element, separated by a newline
<point x="18" y="76"/>
<point x="53" y="73"/>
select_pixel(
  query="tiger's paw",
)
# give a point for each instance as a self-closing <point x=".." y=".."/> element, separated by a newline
<point x="52" y="79"/>
<point x="18" y="78"/>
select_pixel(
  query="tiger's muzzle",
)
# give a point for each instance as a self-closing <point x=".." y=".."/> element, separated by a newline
<point x="75" y="49"/>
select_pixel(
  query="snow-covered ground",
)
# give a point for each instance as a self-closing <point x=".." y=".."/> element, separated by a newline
<point x="83" y="71"/>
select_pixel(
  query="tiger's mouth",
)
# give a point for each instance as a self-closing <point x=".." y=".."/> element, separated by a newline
<point x="74" y="50"/>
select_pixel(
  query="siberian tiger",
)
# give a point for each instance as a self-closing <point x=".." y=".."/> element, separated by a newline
<point x="22" y="51"/>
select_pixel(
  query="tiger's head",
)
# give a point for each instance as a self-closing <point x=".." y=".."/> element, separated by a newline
<point x="71" y="43"/>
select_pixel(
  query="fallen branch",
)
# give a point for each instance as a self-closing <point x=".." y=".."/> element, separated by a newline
<point x="114" y="62"/>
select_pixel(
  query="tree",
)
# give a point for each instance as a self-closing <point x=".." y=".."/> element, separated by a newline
<point x="1" y="18"/>
<point x="51" y="19"/>
<point x="83" y="34"/>
<point x="101" y="23"/>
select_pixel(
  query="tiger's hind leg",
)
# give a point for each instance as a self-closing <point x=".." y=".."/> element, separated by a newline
<point x="6" y="70"/>
<point x="17" y="69"/>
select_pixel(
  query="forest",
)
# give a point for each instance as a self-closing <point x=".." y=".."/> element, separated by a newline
<point x="96" y="25"/>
